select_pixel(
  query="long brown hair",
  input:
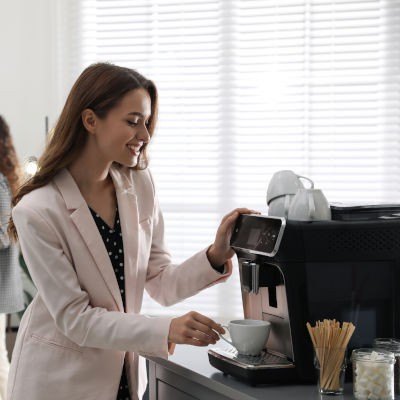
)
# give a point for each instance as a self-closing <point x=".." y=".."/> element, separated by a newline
<point x="100" y="87"/>
<point x="9" y="165"/>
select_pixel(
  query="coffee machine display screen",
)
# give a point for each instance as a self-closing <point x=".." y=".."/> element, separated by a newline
<point x="255" y="234"/>
<point x="258" y="234"/>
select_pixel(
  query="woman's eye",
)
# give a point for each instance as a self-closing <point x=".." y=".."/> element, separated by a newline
<point x="132" y="123"/>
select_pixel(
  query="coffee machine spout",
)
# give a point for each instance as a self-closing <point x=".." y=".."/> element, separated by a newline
<point x="250" y="277"/>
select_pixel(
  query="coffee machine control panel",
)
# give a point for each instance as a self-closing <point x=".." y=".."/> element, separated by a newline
<point x="258" y="234"/>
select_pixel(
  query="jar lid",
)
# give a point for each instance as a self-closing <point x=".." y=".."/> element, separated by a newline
<point x="387" y="344"/>
<point x="374" y="355"/>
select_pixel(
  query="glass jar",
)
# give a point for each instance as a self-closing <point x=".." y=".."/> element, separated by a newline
<point x="330" y="364"/>
<point x="373" y="374"/>
<point x="392" y="345"/>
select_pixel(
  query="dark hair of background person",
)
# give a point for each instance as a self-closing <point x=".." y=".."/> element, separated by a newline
<point x="9" y="164"/>
<point x="100" y="87"/>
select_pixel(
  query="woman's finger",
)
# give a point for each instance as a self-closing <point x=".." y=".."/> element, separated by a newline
<point x="208" y="322"/>
<point x="206" y="332"/>
<point x="236" y="211"/>
<point x="204" y="328"/>
<point x="196" y="342"/>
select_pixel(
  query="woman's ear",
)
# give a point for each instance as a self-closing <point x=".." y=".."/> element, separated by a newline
<point x="89" y="119"/>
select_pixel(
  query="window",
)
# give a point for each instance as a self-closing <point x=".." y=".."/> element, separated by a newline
<point x="247" y="88"/>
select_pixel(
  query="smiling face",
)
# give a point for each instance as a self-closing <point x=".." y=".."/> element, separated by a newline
<point x="120" y="135"/>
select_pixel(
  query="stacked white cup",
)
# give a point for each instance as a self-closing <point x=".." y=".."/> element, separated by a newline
<point x="281" y="190"/>
<point x="287" y="197"/>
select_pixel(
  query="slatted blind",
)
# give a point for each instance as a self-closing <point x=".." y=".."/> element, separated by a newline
<point x="249" y="87"/>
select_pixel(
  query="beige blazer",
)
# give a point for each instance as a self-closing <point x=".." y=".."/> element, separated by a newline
<point x="74" y="336"/>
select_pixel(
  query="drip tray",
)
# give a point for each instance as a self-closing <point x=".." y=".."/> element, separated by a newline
<point x="263" y="369"/>
<point x="265" y="360"/>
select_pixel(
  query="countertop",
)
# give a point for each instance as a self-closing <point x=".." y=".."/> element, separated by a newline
<point x="192" y="363"/>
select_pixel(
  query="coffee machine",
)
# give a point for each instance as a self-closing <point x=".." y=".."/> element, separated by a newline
<point x="295" y="272"/>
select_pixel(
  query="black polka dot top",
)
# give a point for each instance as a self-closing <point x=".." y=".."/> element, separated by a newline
<point x="112" y="238"/>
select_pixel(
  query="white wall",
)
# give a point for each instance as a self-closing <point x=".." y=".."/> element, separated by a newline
<point x="27" y="70"/>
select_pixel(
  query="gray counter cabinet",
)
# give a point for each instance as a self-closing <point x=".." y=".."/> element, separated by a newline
<point x="165" y="384"/>
<point x="188" y="375"/>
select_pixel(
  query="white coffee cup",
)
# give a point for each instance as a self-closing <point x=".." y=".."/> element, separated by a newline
<point x="309" y="205"/>
<point x="285" y="182"/>
<point x="249" y="336"/>
<point x="279" y="206"/>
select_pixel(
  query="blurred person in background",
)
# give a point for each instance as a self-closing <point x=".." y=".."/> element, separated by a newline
<point x="11" y="292"/>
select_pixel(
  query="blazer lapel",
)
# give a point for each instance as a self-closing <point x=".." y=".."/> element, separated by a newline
<point x="86" y="226"/>
<point x="128" y="214"/>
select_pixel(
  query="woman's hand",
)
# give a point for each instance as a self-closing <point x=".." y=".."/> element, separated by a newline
<point x="220" y="250"/>
<point x="195" y="329"/>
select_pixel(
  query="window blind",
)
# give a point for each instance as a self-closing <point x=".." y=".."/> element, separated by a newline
<point x="247" y="88"/>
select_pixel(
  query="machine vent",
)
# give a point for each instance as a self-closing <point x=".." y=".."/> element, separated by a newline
<point x="364" y="240"/>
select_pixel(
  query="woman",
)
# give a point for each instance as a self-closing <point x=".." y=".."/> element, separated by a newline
<point x="11" y="294"/>
<point x="92" y="235"/>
